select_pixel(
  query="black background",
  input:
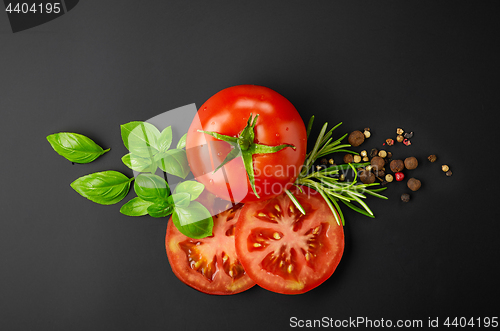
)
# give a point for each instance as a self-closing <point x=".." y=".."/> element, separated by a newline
<point x="427" y="66"/>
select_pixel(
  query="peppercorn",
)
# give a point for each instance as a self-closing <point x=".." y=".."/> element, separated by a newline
<point x="348" y="158"/>
<point x="367" y="134"/>
<point x="408" y="135"/>
<point x="368" y="167"/>
<point x="399" y="176"/>
<point x="449" y="173"/>
<point x="324" y="161"/>
<point x="413" y="184"/>
<point x="400" y="138"/>
<point x="367" y="129"/>
<point x="399" y="131"/>
<point x="377" y="162"/>
<point x="389" y="141"/>
<point x="411" y="163"/>
<point x="397" y="165"/>
<point x="389" y="178"/>
<point x="373" y="152"/>
<point x="366" y="159"/>
<point x="405" y="197"/>
<point x="432" y="158"/>
<point x="383" y="182"/>
<point x="382" y="153"/>
<point x="389" y="155"/>
<point x="380" y="172"/>
<point x="318" y="167"/>
<point x="445" y="168"/>
<point x="357" y="158"/>
<point x="342" y="177"/>
<point x="356" y="138"/>
<point x="331" y="161"/>
<point x="363" y="153"/>
<point x="366" y="177"/>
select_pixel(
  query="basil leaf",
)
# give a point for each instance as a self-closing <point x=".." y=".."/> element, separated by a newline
<point x="75" y="147"/>
<point x="165" y="139"/>
<point x="105" y="188"/>
<point x="135" y="207"/>
<point x="174" y="162"/>
<point x="140" y="138"/>
<point x="182" y="142"/>
<point x="140" y="164"/>
<point x="181" y="200"/>
<point x="195" y="221"/>
<point x="161" y="208"/>
<point x="190" y="186"/>
<point x="151" y="187"/>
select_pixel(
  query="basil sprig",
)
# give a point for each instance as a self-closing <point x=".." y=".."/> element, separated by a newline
<point x="75" y="147"/>
<point x="148" y="149"/>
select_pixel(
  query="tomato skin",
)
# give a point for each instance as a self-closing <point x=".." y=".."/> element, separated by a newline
<point x="287" y="253"/>
<point x="216" y="256"/>
<point x="227" y="113"/>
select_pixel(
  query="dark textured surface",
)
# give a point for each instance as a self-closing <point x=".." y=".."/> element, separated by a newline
<point x="426" y="66"/>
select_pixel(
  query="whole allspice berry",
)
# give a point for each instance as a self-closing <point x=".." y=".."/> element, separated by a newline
<point x="397" y="165"/>
<point x="366" y="177"/>
<point x="411" y="163"/>
<point x="348" y="158"/>
<point x="356" y="138"/>
<point x="432" y="158"/>
<point x="377" y="162"/>
<point x="413" y="184"/>
<point x="405" y="197"/>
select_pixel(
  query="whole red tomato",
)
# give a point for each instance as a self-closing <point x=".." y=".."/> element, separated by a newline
<point x="259" y="131"/>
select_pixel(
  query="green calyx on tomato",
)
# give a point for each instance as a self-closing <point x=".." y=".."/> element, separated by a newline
<point x="245" y="146"/>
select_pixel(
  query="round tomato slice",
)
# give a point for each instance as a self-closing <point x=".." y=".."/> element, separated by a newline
<point x="209" y="265"/>
<point x="283" y="250"/>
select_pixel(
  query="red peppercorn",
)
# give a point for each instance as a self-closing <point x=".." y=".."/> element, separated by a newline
<point x="400" y="176"/>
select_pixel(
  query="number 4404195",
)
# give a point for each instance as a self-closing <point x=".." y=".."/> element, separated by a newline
<point x="41" y="8"/>
<point x="485" y="322"/>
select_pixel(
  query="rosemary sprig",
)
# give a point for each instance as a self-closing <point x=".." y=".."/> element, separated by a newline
<point x="330" y="188"/>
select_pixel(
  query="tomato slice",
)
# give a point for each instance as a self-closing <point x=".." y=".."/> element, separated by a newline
<point x="209" y="265"/>
<point x="283" y="250"/>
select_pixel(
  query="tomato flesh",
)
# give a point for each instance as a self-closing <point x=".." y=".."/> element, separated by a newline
<point x="209" y="265"/>
<point x="283" y="250"/>
<point x="227" y="113"/>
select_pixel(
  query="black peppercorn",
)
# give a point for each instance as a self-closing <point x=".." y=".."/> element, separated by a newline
<point x="405" y="197"/>
<point x="411" y="163"/>
<point x="356" y="138"/>
<point x="408" y="135"/>
<point x="324" y="161"/>
<point x="397" y="165"/>
<point x="348" y="158"/>
<point x="413" y="184"/>
<point x="373" y="152"/>
<point x="366" y="177"/>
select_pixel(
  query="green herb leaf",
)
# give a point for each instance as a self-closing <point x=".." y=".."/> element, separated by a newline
<point x="135" y="207"/>
<point x="75" y="147"/>
<point x="140" y="138"/>
<point x="192" y="187"/>
<point x="165" y="139"/>
<point x="180" y="200"/>
<point x="105" y="188"/>
<point x="182" y="142"/>
<point x="161" y="208"/>
<point x="140" y="164"/>
<point x="174" y="162"/>
<point x="151" y="187"/>
<point x="195" y="221"/>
